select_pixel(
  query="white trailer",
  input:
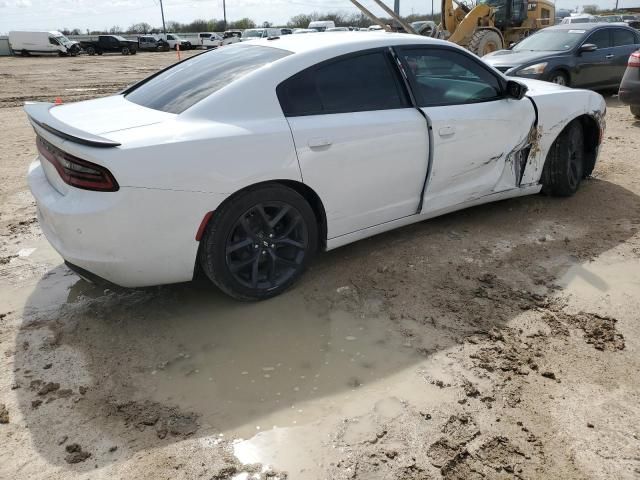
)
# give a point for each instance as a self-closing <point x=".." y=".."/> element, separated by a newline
<point x="42" y="43"/>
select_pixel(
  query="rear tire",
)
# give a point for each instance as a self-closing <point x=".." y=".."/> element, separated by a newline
<point x="126" y="51"/>
<point x="485" y="41"/>
<point x="564" y="169"/>
<point x="259" y="243"/>
<point x="635" y="110"/>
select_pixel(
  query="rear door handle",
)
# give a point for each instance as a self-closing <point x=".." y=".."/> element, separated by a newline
<point x="319" y="142"/>
<point x="447" y="130"/>
<point x="611" y="55"/>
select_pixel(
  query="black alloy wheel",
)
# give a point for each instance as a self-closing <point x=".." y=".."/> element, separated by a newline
<point x="259" y="242"/>
<point x="267" y="245"/>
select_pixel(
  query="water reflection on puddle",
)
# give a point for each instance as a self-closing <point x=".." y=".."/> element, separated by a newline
<point x="246" y="367"/>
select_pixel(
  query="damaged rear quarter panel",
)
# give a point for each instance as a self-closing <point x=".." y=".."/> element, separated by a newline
<point x="557" y="107"/>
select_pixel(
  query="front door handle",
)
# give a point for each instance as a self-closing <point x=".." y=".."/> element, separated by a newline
<point x="609" y="56"/>
<point x="447" y="130"/>
<point x="319" y="142"/>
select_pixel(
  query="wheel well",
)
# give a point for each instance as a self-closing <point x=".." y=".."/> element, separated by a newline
<point x="563" y="70"/>
<point x="591" y="133"/>
<point x="316" y="205"/>
<point x="591" y="130"/>
<point x="307" y="192"/>
<point x="309" y="195"/>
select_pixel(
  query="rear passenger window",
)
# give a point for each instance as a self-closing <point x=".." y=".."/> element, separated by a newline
<point x="355" y="84"/>
<point x="623" y="37"/>
<point x="599" y="38"/>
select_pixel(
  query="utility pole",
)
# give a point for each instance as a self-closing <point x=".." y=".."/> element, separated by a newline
<point x="432" y="11"/>
<point x="396" y="7"/>
<point x="164" y="29"/>
<point x="224" y="13"/>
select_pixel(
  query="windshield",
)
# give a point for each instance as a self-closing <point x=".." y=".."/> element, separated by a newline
<point x="186" y="83"/>
<point x="122" y="39"/>
<point x="253" y="33"/>
<point x="62" y="39"/>
<point x="551" y="41"/>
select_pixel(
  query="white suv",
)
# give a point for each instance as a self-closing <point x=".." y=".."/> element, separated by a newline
<point x="172" y="39"/>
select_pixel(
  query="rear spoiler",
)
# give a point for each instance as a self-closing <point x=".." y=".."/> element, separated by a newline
<point x="39" y="114"/>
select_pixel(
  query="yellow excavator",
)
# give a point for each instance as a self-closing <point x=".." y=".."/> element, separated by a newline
<point x="488" y="26"/>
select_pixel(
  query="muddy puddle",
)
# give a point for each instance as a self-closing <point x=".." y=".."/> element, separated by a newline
<point x="607" y="276"/>
<point x="247" y="367"/>
<point x="241" y="368"/>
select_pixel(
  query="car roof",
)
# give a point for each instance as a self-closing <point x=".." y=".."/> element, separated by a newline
<point x="338" y="40"/>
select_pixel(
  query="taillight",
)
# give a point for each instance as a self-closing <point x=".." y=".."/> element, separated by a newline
<point x="77" y="172"/>
<point x="634" y="60"/>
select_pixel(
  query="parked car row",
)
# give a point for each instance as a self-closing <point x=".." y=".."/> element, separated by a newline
<point x="588" y="18"/>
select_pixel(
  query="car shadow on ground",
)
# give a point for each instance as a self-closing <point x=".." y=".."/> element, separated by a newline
<point x="143" y="368"/>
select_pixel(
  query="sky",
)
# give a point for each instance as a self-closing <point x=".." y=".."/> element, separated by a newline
<point x="101" y="14"/>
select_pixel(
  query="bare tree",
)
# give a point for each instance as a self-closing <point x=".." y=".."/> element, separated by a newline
<point x="590" y="9"/>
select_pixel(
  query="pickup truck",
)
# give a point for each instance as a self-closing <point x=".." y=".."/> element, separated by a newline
<point x="152" y="44"/>
<point x="173" y="40"/>
<point x="110" y="43"/>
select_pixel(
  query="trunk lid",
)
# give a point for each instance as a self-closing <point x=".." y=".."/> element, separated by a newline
<point x="109" y="114"/>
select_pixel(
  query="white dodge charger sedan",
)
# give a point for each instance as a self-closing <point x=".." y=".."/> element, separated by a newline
<point x="244" y="161"/>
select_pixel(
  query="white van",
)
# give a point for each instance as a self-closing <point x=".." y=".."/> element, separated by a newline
<point x="322" y="25"/>
<point x="208" y="40"/>
<point x="42" y="43"/>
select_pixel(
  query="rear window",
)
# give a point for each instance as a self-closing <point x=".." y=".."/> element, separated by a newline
<point x="186" y="83"/>
<point x="359" y="83"/>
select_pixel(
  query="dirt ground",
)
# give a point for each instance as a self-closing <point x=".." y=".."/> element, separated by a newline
<point x="498" y="342"/>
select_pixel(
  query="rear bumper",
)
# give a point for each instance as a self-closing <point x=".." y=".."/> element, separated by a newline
<point x="629" y="92"/>
<point x="134" y="237"/>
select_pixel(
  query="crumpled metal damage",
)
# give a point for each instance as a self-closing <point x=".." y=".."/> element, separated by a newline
<point x="517" y="159"/>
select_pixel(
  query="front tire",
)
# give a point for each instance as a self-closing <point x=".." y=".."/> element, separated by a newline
<point x="485" y="41"/>
<point x="559" y="78"/>
<point x="564" y="169"/>
<point x="259" y="242"/>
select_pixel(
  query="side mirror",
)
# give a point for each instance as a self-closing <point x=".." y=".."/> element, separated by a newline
<point x="587" y="47"/>
<point x="515" y="90"/>
<point x="511" y="45"/>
